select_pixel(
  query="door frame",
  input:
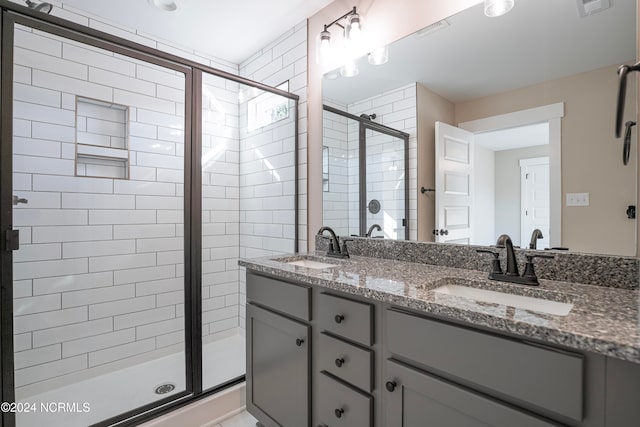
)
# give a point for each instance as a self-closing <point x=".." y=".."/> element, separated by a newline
<point x="524" y="163"/>
<point x="553" y="114"/>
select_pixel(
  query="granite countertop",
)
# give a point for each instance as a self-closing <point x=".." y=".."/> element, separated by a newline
<point x="603" y="320"/>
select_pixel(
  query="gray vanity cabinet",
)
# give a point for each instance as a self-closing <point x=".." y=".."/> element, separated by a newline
<point x="415" y="398"/>
<point x="454" y="372"/>
<point x="623" y="393"/>
<point x="278" y="355"/>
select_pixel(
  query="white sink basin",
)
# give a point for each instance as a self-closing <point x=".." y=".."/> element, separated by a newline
<point x="528" y="303"/>
<point x="308" y="263"/>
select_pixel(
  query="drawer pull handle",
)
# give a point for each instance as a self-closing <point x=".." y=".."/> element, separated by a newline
<point x="299" y="342"/>
<point x="339" y="318"/>
<point x="391" y="386"/>
<point x="339" y="412"/>
<point x="339" y="363"/>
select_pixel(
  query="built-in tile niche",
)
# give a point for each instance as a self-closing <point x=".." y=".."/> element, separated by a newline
<point x="102" y="146"/>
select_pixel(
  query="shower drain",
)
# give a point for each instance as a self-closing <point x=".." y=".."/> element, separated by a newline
<point x="165" y="388"/>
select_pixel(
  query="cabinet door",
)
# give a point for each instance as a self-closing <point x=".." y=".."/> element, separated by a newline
<point x="277" y="369"/>
<point x="413" y="398"/>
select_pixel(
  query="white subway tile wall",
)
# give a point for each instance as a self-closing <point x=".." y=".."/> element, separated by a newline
<point x="220" y="207"/>
<point x="335" y="201"/>
<point x="267" y="214"/>
<point x="93" y="267"/>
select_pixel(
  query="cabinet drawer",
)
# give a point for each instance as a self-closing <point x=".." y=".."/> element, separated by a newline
<point x="350" y="319"/>
<point x="342" y="406"/>
<point x="281" y="296"/>
<point x="346" y="361"/>
<point x="412" y="397"/>
<point x="512" y="370"/>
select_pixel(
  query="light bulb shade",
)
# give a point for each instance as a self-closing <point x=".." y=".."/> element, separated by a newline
<point x="379" y="56"/>
<point x="349" y="69"/>
<point x="494" y="8"/>
<point x="353" y="28"/>
<point x="323" y="48"/>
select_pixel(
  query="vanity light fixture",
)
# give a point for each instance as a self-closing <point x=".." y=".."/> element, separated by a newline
<point x="327" y="51"/>
<point x="494" y="8"/>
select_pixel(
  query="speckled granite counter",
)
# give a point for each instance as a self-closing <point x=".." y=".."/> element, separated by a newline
<point x="603" y="320"/>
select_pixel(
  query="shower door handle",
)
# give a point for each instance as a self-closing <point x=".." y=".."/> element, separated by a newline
<point x="622" y="92"/>
<point x="12" y="240"/>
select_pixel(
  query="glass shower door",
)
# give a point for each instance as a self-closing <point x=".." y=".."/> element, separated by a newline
<point x="384" y="207"/>
<point x="248" y="208"/>
<point x="98" y="185"/>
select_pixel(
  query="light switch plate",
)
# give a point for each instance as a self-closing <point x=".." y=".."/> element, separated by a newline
<point x="577" y="199"/>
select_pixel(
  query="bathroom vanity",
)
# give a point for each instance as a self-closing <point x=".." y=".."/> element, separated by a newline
<point x="376" y="342"/>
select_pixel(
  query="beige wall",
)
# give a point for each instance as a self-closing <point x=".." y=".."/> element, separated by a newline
<point x="591" y="156"/>
<point x="386" y="22"/>
<point x="431" y="108"/>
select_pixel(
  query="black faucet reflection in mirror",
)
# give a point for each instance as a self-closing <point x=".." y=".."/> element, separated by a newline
<point x="335" y="250"/>
<point x="512" y="275"/>
<point x="537" y="234"/>
<point x="373" y="227"/>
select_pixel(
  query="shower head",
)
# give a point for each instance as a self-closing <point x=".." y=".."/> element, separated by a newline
<point x="368" y="116"/>
<point x="39" y="7"/>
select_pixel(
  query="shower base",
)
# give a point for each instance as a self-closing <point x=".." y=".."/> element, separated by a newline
<point x="125" y="389"/>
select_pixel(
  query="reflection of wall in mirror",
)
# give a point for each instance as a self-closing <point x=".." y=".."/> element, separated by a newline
<point x="591" y="156"/>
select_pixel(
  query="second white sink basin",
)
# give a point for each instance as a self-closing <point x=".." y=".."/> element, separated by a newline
<point x="308" y="263"/>
<point x="519" y="301"/>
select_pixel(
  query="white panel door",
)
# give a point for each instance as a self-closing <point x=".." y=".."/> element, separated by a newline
<point x="454" y="184"/>
<point x="534" y="196"/>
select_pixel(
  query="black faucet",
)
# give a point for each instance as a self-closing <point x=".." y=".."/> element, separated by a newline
<point x="537" y="234"/>
<point x="504" y="241"/>
<point x="512" y="275"/>
<point x="373" y="227"/>
<point x="335" y="250"/>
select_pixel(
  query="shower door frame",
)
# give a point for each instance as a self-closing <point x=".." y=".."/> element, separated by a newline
<point x="363" y="126"/>
<point x="12" y="14"/>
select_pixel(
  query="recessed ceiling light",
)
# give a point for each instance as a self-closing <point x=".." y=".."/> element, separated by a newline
<point x="165" y="5"/>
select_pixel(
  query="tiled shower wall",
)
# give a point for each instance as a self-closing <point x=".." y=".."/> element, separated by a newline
<point x="223" y="307"/>
<point x="220" y="206"/>
<point x="267" y="216"/>
<point x="99" y="275"/>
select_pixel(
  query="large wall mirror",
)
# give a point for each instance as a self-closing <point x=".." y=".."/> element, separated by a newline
<point x="510" y="125"/>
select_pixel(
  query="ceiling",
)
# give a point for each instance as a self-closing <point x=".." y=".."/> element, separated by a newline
<point x="475" y="56"/>
<point x="232" y="30"/>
